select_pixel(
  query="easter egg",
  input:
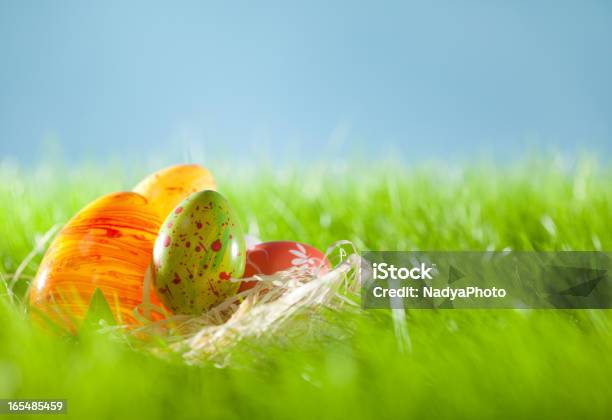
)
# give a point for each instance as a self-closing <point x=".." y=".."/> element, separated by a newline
<point x="270" y="257"/>
<point x="166" y="188"/>
<point x="107" y="246"/>
<point x="200" y="247"/>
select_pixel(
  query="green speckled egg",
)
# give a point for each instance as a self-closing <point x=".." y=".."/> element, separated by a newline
<point x="199" y="248"/>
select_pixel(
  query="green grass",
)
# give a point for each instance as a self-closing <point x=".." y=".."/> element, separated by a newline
<point x="465" y="363"/>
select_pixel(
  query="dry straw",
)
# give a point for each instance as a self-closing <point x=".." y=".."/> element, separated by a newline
<point x="295" y="298"/>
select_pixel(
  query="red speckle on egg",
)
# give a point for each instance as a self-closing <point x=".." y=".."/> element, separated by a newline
<point x="166" y="241"/>
<point x="176" y="279"/>
<point x="178" y="210"/>
<point x="113" y="233"/>
<point x="216" y="246"/>
<point x="198" y="248"/>
<point x="170" y="224"/>
<point x="224" y="276"/>
<point x="187" y="244"/>
<point x="199" y="225"/>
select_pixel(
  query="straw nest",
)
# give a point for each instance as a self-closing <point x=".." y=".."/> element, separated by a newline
<point x="293" y="300"/>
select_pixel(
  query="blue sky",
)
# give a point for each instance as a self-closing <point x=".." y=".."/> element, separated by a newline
<point x="304" y="80"/>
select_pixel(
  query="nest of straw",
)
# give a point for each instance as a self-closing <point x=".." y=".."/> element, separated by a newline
<point x="295" y="299"/>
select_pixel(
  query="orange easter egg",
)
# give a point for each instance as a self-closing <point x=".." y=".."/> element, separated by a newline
<point x="166" y="188"/>
<point x="108" y="246"/>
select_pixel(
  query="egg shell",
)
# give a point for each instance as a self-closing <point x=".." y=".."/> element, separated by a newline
<point x="200" y="247"/>
<point x="108" y="246"/>
<point x="166" y="188"/>
<point x="268" y="258"/>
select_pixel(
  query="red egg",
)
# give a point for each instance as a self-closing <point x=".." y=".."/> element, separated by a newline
<point x="270" y="257"/>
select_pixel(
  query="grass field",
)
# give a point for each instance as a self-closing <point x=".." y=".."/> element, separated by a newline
<point x="469" y="363"/>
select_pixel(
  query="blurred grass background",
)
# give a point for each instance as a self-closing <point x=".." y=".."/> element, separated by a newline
<point x="462" y="363"/>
